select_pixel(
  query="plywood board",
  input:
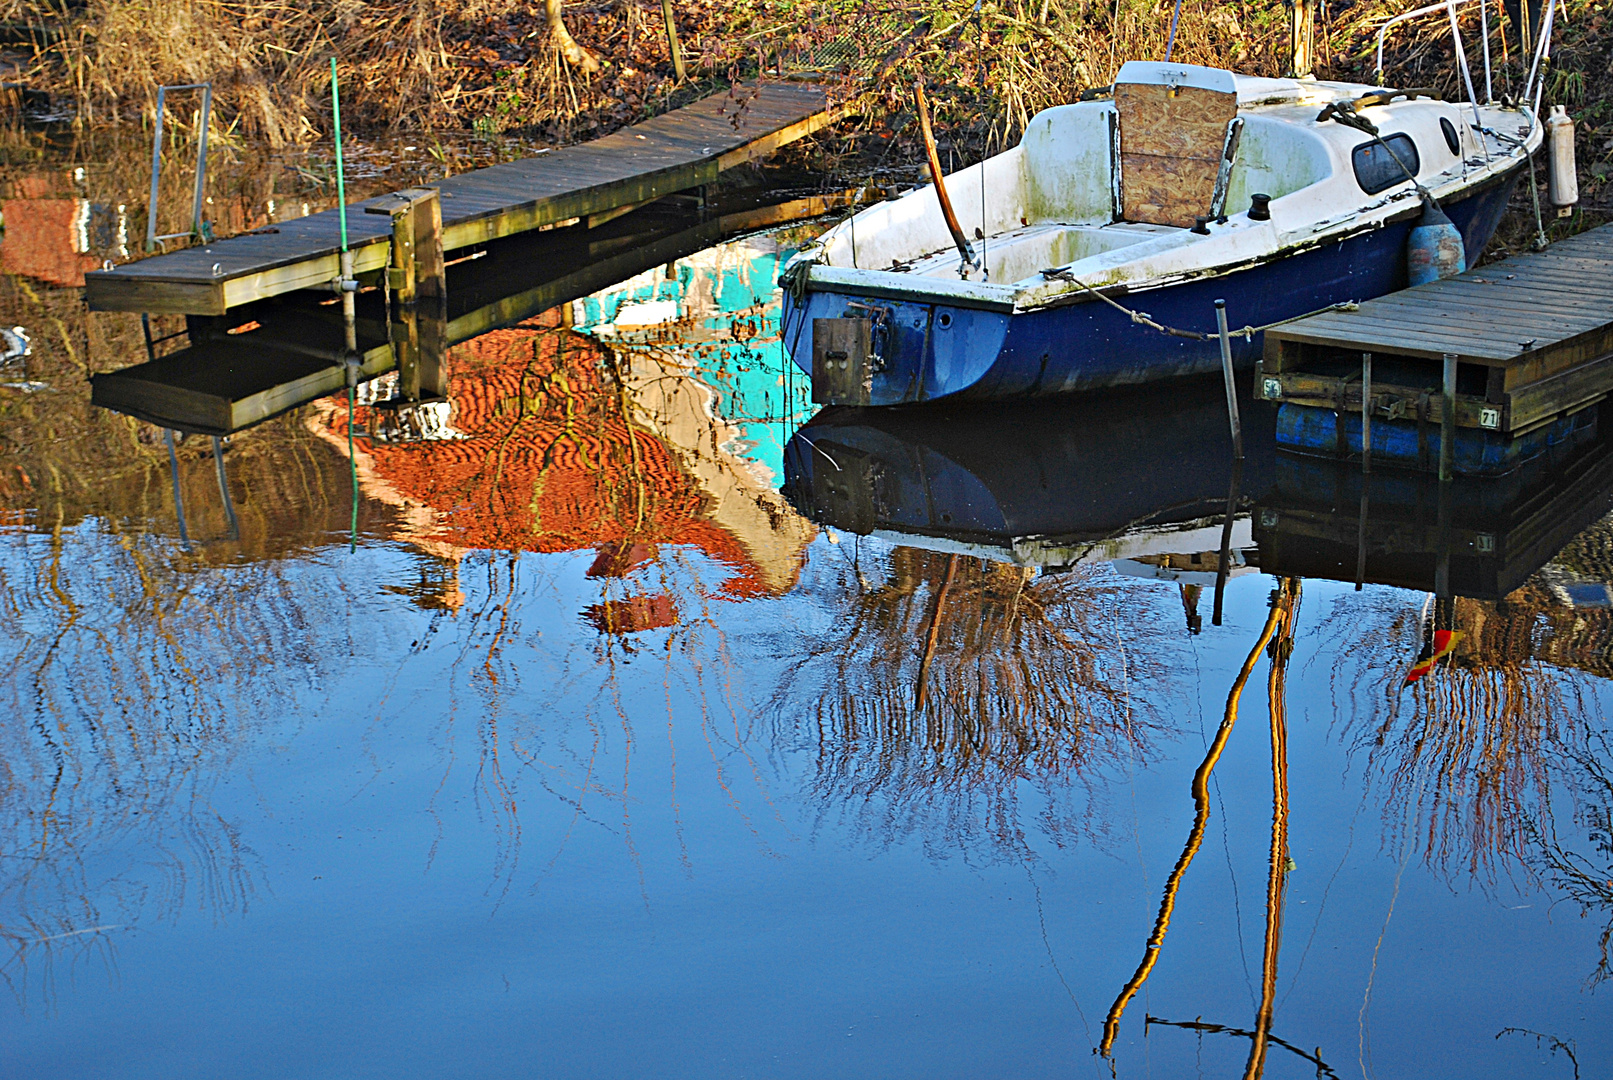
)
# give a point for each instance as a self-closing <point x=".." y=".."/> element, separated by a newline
<point x="1171" y="140"/>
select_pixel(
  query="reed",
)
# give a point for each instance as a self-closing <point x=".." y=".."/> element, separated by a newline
<point x="474" y="63"/>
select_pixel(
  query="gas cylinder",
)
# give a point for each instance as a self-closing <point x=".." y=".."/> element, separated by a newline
<point x="1434" y="249"/>
<point x="1563" y="187"/>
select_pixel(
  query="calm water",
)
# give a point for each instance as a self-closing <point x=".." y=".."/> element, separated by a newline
<point x="642" y="731"/>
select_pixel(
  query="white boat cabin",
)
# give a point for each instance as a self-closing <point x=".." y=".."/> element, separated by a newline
<point x="1110" y="190"/>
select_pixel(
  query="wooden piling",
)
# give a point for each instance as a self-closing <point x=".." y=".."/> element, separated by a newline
<point x="1366" y="412"/>
<point x="417" y="281"/>
<point x="1447" y="421"/>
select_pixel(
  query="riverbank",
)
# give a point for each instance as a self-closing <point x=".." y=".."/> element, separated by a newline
<point x="473" y="64"/>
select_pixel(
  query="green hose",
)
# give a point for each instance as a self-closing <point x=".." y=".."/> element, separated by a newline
<point x="341" y="204"/>
<point x="336" y="120"/>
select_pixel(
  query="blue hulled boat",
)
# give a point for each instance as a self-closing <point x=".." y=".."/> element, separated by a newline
<point x="1183" y="186"/>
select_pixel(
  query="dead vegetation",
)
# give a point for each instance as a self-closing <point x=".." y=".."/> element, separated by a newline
<point x="514" y="66"/>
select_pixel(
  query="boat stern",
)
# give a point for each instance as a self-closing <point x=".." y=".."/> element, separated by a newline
<point x="876" y="347"/>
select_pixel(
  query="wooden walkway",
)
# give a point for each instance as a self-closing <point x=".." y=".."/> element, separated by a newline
<point x="1532" y="338"/>
<point x="679" y="150"/>
<point x="222" y="383"/>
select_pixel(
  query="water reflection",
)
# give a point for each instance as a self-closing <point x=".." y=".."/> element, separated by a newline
<point x="596" y="704"/>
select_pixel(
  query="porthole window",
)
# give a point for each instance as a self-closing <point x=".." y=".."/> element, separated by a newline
<point x="1448" y="129"/>
<point x="1377" y="169"/>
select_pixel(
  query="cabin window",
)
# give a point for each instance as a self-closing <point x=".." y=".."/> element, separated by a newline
<point x="1376" y="169"/>
<point x="1448" y="129"/>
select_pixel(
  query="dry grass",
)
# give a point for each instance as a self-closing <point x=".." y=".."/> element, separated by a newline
<point x="464" y="63"/>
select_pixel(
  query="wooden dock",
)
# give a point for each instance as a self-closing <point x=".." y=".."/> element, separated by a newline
<point x="588" y="185"/>
<point x="224" y="380"/>
<point x="1475" y="537"/>
<point x="1528" y="340"/>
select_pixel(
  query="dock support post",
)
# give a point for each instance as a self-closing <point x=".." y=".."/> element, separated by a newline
<point x="1447" y="421"/>
<point x="418" y="284"/>
<point x="1226" y="375"/>
<point x="1366" y="412"/>
<point x="349" y="303"/>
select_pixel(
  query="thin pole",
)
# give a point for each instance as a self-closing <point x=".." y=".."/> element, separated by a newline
<point x="336" y="122"/>
<point x="173" y="471"/>
<point x="672" y="39"/>
<point x="934" y="156"/>
<point x="347" y="285"/>
<point x="1226" y="375"/>
<point x="1223" y="568"/>
<point x="200" y="192"/>
<point x="156" y="170"/>
<point x="1170" y="42"/>
<point x="1484" y="28"/>
<point x="1447" y="421"/>
<point x="224" y="488"/>
<point x="1366" y="412"/>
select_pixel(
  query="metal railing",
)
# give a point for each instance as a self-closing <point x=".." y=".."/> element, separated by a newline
<point x="152" y="239"/>
<point x="1532" y="87"/>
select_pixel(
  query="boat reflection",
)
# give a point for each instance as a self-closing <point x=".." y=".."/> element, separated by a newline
<point x="988" y="649"/>
<point x="1144" y="482"/>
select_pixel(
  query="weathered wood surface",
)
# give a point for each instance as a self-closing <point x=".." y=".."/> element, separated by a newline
<point x="682" y="149"/>
<point x="1556" y="297"/>
<point x="1540" y="325"/>
<point x="1171" y="140"/>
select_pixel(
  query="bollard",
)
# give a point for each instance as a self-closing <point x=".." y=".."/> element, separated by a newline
<point x="1226" y="374"/>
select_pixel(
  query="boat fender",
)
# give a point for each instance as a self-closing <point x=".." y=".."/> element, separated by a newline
<point x="1259" y="207"/>
<point x="1563" y="185"/>
<point x="1434" y="249"/>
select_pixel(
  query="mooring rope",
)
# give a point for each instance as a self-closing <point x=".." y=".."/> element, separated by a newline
<point x="1142" y="318"/>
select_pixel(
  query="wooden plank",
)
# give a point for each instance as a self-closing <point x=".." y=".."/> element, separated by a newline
<point x="1367" y="335"/>
<point x="1513" y="319"/>
<point x="673" y="152"/>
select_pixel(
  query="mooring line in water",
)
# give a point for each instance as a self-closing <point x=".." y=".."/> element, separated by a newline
<point x="1195" y="836"/>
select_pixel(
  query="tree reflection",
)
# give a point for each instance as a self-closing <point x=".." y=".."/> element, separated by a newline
<point x="1588" y="879"/>
<point x="1465" y="752"/>
<point x="944" y="691"/>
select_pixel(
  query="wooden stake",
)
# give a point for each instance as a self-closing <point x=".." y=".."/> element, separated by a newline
<point x="1447" y="421"/>
<point x="953" y="227"/>
<point x="672" y="39"/>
